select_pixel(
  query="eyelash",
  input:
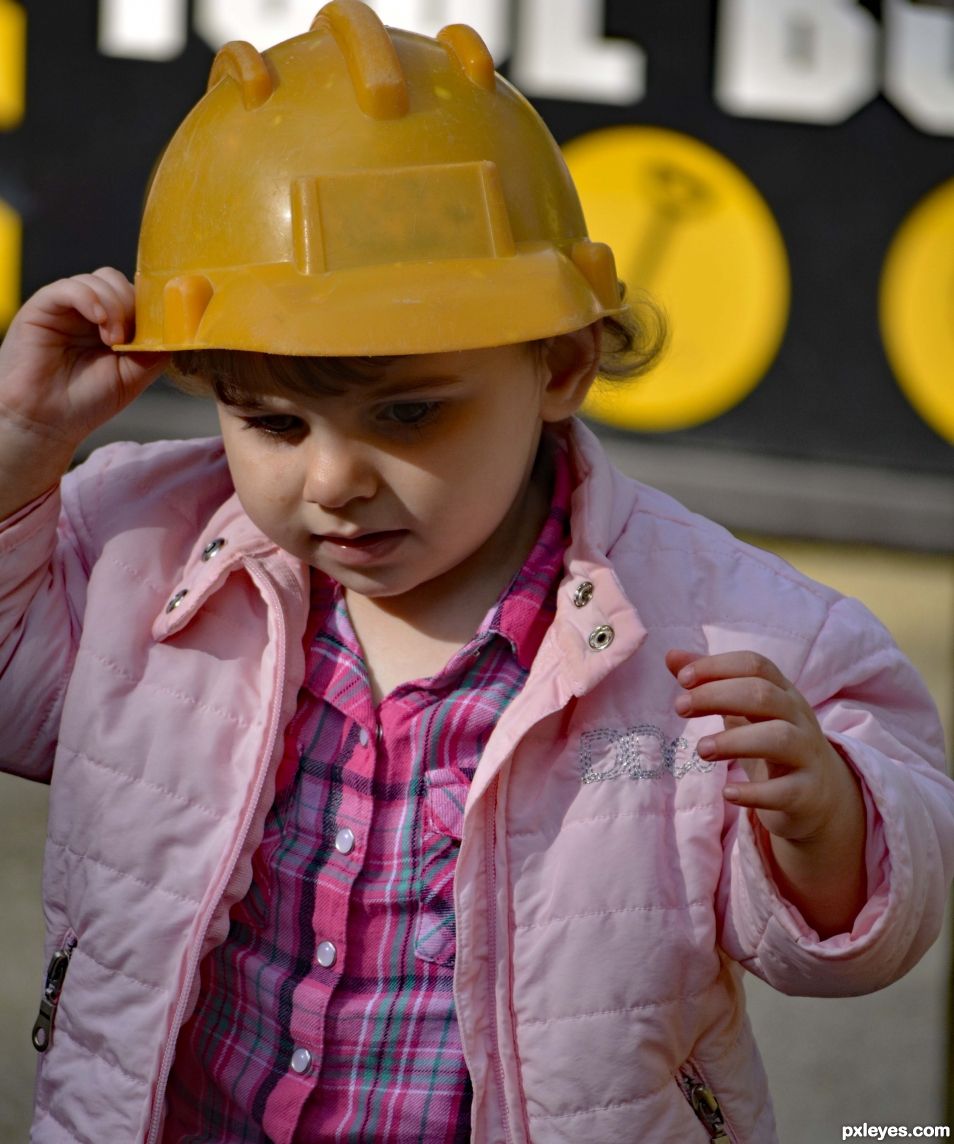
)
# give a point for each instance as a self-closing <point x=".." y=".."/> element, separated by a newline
<point x="430" y="410"/>
<point x="279" y="426"/>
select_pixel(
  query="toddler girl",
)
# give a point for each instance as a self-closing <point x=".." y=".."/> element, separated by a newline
<point x="415" y="775"/>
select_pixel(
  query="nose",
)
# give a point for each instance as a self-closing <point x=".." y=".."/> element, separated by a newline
<point x="339" y="470"/>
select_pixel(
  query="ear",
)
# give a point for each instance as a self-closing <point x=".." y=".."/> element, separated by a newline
<point x="570" y="362"/>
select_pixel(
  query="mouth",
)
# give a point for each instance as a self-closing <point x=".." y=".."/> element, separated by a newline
<point x="360" y="539"/>
<point x="361" y="548"/>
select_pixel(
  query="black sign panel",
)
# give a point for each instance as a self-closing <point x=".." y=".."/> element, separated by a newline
<point x="853" y="218"/>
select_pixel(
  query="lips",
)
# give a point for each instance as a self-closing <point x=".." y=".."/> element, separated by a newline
<point x="361" y="548"/>
<point x="360" y="540"/>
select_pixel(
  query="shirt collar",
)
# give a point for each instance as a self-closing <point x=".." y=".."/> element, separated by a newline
<point x="527" y="605"/>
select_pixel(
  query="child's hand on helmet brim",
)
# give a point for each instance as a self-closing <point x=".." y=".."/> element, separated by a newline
<point x="60" y="380"/>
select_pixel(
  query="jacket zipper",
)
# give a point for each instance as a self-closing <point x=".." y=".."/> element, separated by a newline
<point x="52" y="988"/>
<point x="703" y="1102"/>
<point x="165" y="1067"/>
<point x="491" y="876"/>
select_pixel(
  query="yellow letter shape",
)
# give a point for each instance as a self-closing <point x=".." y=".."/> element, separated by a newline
<point x="10" y="245"/>
<point x="12" y="64"/>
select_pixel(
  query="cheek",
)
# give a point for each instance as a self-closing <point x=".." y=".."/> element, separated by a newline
<point x="259" y="477"/>
<point x="492" y="445"/>
<point x="478" y="490"/>
<point x="495" y="461"/>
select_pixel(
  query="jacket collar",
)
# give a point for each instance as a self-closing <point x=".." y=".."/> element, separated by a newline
<point x="594" y="630"/>
<point x="229" y="541"/>
<point x="597" y="625"/>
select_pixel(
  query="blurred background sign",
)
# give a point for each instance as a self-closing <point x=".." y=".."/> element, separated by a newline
<point x="778" y="173"/>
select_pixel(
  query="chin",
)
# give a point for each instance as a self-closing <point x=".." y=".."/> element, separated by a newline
<point x="367" y="586"/>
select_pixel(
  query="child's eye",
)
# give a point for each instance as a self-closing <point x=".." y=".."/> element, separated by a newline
<point x="411" y="414"/>
<point x="275" y="424"/>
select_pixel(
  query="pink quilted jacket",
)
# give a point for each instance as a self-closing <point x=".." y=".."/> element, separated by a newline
<point x="606" y="894"/>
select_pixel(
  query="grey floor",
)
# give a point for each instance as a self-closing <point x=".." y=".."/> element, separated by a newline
<point x="877" y="1060"/>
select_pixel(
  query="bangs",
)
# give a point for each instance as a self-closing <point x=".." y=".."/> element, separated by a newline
<point x="231" y="376"/>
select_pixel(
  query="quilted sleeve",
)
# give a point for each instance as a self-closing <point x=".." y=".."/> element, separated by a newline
<point x="42" y="589"/>
<point x="874" y="707"/>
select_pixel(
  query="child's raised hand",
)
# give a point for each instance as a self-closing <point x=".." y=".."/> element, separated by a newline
<point x="798" y="782"/>
<point x="60" y="380"/>
<point x="805" y="795"/>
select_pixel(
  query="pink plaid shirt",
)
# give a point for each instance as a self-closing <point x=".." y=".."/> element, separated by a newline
<point x="328" y="1012"/>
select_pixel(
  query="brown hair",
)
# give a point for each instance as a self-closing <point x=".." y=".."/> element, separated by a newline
<point x="231" y="375"/>
<point x="633" y="341"/>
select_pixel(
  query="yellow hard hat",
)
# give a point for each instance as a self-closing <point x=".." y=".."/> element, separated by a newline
<point x="360" y="190"/>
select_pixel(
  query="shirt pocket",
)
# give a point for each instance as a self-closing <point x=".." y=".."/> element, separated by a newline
<point x="442" y="825"/>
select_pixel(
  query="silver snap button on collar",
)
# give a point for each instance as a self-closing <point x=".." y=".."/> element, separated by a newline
<point x="213" y="547"/>
<point x="601" y="637"/>
<point x="583" y="594"/>
<point x="177" y="599"/>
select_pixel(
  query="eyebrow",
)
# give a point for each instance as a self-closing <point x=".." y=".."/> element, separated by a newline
<point x="401" y="385"/>
<point x="255" y="403"/>
<point x="243" y="401"/>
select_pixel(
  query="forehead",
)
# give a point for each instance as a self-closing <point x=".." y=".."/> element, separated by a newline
<point x="249" y="376"/>
<point x="269" y="374"/>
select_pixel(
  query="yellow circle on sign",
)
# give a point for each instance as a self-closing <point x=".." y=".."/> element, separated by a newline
<point x="688" y="227"/>
<point x="10" y="247"/>
<point x="917" y="308"/>
<point x="12" y="64"/>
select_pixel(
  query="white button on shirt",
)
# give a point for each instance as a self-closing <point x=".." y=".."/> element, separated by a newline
<point x="326" y="953"/>
<point x="344" y="840"/>
<point x="301" y="1061"/>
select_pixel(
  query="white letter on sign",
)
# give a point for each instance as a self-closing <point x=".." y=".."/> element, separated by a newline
<point x="561" y="52"/>
<point x="918" y="78"/>
<point x="809" y="60"/>
<point x="153" y="31"/>
<point x="488" y="17"/>
<point x="261" y="22"/>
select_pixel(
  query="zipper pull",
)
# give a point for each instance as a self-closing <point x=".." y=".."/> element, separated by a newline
<point x="706" y="1107"/>
<point x="52" y="987"/>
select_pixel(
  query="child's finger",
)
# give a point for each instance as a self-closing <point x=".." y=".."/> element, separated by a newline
<point x="751" y="699"/>
<point x="678" y="658"/>
<point x="139" y="370"/>
<point x="776" y="741"/>
<point x="729" y="665"/>
<point x="118" y="281"/>
<point x="70" y="306"/>
<point x="779" y="794"/>
<point x="124" y="293"/>
<point x="116" y="303"/>
<point x="59" y="299"/>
